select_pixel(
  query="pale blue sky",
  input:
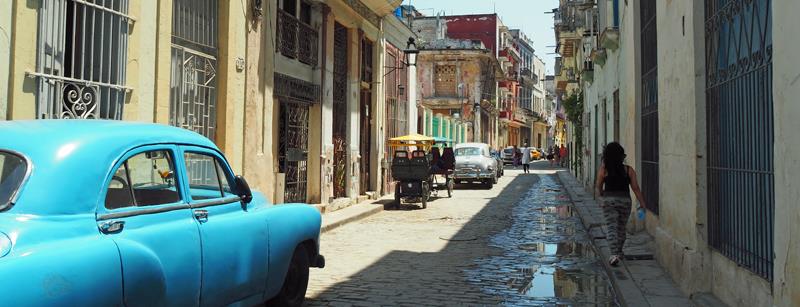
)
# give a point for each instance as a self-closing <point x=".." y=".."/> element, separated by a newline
<point x="528" y="15"/>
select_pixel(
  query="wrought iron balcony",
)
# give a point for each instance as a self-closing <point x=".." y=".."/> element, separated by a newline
<point x="296" y="39"/>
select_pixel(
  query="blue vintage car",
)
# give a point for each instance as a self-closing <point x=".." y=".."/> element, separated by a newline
<point x="109" y="213"/>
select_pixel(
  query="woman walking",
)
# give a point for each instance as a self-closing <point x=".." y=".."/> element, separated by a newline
<point x="613" y="179"/>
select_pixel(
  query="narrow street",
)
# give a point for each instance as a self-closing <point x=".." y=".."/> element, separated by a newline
<point x="516" y="244"/>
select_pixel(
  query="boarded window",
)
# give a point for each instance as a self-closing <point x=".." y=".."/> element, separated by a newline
<point x="445" y="83"/>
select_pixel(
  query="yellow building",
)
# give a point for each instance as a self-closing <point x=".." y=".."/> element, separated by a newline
<point x="284" y="90"/>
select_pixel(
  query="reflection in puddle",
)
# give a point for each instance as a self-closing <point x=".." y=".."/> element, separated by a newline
<point x="547" y="258"/>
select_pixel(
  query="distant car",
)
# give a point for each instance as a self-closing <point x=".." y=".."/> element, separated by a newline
<point x="500" y="167"/>
<point x="473" y="163"/>
<point x="508" y="155"/>
<point x="535" y="154"/>
<point x="111" y="213"/>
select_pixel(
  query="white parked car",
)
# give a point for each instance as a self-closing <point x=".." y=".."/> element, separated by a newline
<point x="474" y="163"/>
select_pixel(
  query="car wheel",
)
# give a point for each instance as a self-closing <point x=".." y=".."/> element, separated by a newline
<point x="293" y="292"/>
<point x="489" y="183"/>
<point x="494" y="180"/>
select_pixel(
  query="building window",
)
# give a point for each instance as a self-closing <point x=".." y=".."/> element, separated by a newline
<point x="649" y="104"/>
<point x="445" y="82"/>
<point x="81" y="60"/>
<point x="739" y="114"/>
<point x="366" y="61"/>
<point x="194" y="66"/>
<point x="296" y="38"/>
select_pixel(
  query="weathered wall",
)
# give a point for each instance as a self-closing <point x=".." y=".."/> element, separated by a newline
<point x="680" y="88"/>
<point x="6" y="29"/>
<point x="259" y="108"/>
<point x="22" y="101"/>
<point x="786" y="89"/>
<point x="231" y="82"/>
<point x="141" y="64"/>
<point x="469" y="72"/>
<point x="474" y="27"/>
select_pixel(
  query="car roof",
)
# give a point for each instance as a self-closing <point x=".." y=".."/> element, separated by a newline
<point x="463" y="145"/>
<point x="72" y="158"/>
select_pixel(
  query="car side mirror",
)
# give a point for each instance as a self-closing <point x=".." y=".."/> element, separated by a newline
<point x="243" y="189"/>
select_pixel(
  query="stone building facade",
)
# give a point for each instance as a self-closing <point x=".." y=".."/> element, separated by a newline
<point x="683" y="85"/>
<point x="292" y="90"/>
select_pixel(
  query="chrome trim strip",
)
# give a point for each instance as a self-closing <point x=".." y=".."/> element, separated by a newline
<point x="217" y="202"/>
<point x="28" y="171"/>
<point x="145" y="211"/>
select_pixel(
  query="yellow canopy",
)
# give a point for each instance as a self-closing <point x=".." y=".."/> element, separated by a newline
<point x="412" y="140"/>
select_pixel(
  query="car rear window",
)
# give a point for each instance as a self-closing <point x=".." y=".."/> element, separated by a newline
<point x="12" y="172"/>
<point x="468" y="151"/>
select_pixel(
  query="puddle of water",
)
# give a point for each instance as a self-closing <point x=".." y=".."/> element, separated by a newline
<point x="547" y="258"/>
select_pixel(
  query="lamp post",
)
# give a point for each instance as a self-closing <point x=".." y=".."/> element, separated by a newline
<point x="411" y="53"/>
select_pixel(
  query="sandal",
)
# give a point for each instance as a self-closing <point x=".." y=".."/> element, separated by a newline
<point x="614" y="260"/>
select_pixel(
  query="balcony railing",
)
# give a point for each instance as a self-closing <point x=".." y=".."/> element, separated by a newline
<point x="296" y="39"/>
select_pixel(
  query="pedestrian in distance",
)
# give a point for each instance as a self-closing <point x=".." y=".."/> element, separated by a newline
<point x="551" y="155"/>
<point x="563" y="154"/>
<point x="556" y="155"/>
<point x="526" y="158"/>
<point x="614" y="178"/>
<point x="517" y="156"/>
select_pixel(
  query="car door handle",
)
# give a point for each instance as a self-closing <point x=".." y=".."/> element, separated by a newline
<point x="201" y="215"/>
<point x="112" y="226"/>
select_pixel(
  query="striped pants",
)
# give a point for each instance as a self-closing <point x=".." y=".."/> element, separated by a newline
<point x="616" y="211"/>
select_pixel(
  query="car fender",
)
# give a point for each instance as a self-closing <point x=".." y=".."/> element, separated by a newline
<point x="289" y="226"/>
<point x="147" y="282"/>
<point x="82" y="271"/>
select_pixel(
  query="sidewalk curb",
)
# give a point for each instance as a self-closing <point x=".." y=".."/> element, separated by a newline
<point x="632" y="295"/>
<point x="356" y="217"/>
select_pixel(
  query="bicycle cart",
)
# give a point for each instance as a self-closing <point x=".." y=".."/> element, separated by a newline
<point x="443" y="162"/>
<point x="415" y="171"/>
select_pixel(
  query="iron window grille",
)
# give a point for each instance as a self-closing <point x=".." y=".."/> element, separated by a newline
<point x="649" y="105"/>
<point x="296" y="38"/>
<point x="739" y="114"/>
<point x="81" y="58"/>
<point x="193" y="80"/>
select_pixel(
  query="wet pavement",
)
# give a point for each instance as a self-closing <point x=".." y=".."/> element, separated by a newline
<point x="547" y="258"/>
<point x="517" y="244"/>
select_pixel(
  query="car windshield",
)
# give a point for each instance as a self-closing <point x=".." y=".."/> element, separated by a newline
<point x="12" y="172"/>
<point x="508" y="150"/>
<point x="468" y="151"/>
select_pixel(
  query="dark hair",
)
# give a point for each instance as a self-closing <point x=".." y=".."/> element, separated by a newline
<point x="613" y="158"/>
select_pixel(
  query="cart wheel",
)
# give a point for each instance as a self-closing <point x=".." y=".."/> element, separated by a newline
<point x="397" y="199"/>
<point x="450" y="186"/>
<point x="425" y="195"/>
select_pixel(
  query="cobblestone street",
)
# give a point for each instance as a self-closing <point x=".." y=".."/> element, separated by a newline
<point x="516" y="244"/>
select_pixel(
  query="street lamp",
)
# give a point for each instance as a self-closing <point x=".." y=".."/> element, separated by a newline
<point x="410" y="54"/>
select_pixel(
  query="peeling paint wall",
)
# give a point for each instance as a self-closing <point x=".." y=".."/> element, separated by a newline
<point x="786" y="89"/>
<point x="5" y="53"/>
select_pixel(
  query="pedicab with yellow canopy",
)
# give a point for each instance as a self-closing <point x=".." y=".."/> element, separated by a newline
<point x="416" y="162"/>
